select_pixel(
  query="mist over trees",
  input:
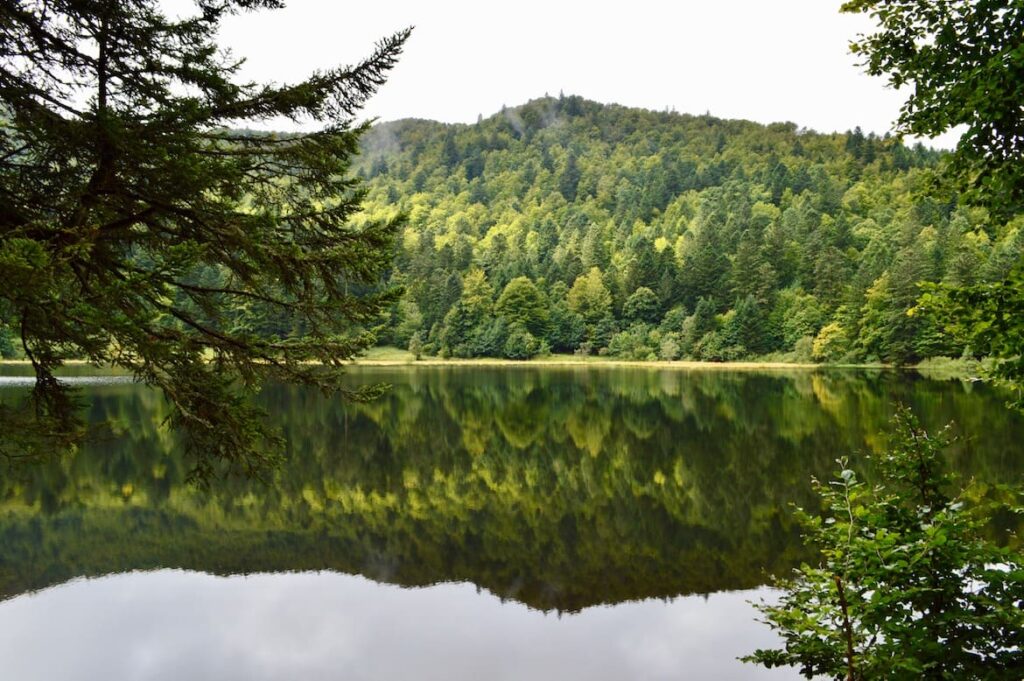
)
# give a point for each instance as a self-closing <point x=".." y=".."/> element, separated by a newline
<point x="570" y="226"/>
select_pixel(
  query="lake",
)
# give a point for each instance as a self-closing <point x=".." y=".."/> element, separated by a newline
<point x="474" y="523"/>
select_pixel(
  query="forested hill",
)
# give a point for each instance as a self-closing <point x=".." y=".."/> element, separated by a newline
<point x="573" y="226"/>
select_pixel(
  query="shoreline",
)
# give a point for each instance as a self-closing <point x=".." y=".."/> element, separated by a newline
<point x="392" y="359"/>
<point x="560" y="361"/>
<point x="693" y="365"/>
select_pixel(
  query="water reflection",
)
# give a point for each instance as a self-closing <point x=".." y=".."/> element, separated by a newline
<point x="559" y="489"/>
<point x="330" y="626"/>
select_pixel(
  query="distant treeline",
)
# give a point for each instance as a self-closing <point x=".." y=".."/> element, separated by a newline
<point x="569" y="226"/>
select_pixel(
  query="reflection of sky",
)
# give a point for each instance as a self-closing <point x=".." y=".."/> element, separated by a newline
<point x="30" y="381"/>
<point x="17" y="377"/>
<point x="177" y="625"/>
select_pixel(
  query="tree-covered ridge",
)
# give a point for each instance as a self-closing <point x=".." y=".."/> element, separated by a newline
<point x="573" y="226"/>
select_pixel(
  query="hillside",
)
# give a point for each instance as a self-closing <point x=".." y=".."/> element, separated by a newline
<point x="574" y="226"/>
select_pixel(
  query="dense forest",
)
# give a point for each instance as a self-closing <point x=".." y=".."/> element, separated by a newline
<point x="569" y="226"/>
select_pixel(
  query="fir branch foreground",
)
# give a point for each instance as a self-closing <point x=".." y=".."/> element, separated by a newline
<point x="140" y="229"/>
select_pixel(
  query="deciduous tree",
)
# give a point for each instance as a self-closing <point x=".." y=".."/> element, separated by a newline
<point x="964" y="63"/>
<point x="907" y="585"/>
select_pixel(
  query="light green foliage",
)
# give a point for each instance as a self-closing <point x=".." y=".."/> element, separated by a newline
<point x="907" y="585"/>
<point x="878" y="313"/>
<point x="832" y="343"/>
<point x="477" y="295"/>
<point x="476" y="326"/>
<point x="687" y="207"/>
<point x="674" y="320"/>
<point x="752" y="274"/>
<point x="801" y="315"/>
<point x="698" y="325"/>
<point x="408" y="320"/>
<point x="521" y="302"/>
<point x="670" y="347"/>
<point x="803" y="349"/>
<point x="416" y="345"/>
<point x="589" y="297"/>
<point x="716" y="346"/>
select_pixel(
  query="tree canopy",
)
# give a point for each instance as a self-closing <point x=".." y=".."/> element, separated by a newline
<point x="789" y="236"/>
<point x="141" y="226"/>
<point x="965" y="62"/>
<point x="908" y="586"/>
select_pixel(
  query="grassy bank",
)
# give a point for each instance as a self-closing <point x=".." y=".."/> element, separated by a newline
<point x="941" y="367"/>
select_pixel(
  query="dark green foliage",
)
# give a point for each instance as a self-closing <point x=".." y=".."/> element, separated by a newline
<point x="967" y="66"/>
<point x="639" y="342"/>
<point x="567" y="329"/>
<point x="698" y="325"/>
<point x="7" y="349"/>
<point x="491" y="339"/>
<point x="469" y="329"/>
<point x="137" y="230"/>
<point x="602" y="332"/>
<point x="746" y="328"/>
<point x="521" y="344"/>
<point x="570" y="178"/>
<point x="887" y="331"/>
<point x="450" y="153"/>
<point x="642" y="306"/>
<point x="988" y="320"/>
<point x="718" y="346"/>
<point x="800" y="315"/>
<point x="908" y="586"/>
<point x="964" y="63"/>
<point x="645" y="271"/>
<point x="674" y="320"/>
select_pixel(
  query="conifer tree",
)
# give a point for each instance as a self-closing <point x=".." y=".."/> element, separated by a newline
<point x="136" y="219"/>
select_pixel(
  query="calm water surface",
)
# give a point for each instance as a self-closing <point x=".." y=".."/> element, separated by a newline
<point x="521" y="523"/>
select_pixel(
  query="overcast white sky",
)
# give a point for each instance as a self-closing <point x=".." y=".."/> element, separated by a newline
<point x="785" y="60"/>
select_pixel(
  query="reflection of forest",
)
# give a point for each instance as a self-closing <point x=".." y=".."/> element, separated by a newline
<point x="559" y="488"/>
